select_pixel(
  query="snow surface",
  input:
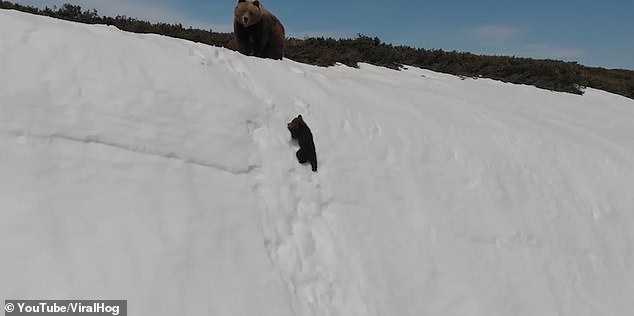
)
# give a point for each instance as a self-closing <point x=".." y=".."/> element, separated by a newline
<point x="161" y="171"/>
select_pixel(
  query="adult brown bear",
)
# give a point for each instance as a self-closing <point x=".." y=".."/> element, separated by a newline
<point x="258" y="32"/>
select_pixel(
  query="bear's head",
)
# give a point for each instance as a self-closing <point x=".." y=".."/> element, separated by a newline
<point x="248" y="12"/>
<point x="296" y="126"/>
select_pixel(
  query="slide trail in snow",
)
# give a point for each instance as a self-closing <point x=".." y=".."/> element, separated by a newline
<point x="321" y="277"/>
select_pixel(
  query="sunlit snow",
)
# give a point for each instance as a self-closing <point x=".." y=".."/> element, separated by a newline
<point x="160" y="171"/>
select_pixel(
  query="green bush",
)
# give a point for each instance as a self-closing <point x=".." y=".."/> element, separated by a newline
<point x="547" y="74"/>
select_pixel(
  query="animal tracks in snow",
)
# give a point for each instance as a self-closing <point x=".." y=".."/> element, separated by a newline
<point x="296" y="228"/>
<point x="297" y="232"/>
<point x="291" y="214"/>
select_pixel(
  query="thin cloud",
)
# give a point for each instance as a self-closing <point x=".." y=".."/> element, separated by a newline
<point x="494" y="33"/>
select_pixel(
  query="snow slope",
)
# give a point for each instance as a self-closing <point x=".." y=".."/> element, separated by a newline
<point x="160" y="171"/>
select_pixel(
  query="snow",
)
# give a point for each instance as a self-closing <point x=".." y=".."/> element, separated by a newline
<point x="161" y="171"/>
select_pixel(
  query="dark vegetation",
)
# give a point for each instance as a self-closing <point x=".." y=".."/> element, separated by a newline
<point x="547" y="74"/>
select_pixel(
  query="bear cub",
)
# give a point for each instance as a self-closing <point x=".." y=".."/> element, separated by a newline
<point x="301" y="132"/>
<point x="257" y="31"/>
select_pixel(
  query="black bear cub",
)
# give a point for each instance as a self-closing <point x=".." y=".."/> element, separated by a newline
<point x="301" y="132"/>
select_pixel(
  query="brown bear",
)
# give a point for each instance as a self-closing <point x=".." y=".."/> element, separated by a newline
<point x="301" y="132"/>
<point x="257" y="31"/>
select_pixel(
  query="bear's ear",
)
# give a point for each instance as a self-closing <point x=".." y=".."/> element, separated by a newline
<point x="299" y="116"/>
<point x="256" y="3"/>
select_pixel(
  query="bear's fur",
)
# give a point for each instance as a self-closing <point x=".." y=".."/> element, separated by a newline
<point x="301" y="132"/>
<point x="257" y="31"/>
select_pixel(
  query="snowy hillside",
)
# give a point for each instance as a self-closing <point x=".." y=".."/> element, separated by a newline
<point x="161" y="171"/>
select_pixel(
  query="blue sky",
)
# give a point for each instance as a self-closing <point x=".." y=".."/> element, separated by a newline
<point x="594" y="33"/>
